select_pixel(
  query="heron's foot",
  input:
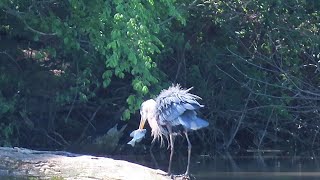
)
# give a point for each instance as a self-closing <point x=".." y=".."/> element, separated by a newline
<point x="170" y="175"/>
<point x="182" y="177"/>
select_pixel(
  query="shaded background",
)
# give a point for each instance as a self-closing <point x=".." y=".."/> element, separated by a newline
<point x="71" y="70"/>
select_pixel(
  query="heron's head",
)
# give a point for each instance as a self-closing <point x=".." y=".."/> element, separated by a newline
<point x="147" y="111"/>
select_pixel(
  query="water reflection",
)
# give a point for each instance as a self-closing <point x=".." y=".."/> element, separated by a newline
<point x="257" y="166"/>
<point x="254" y="166"/>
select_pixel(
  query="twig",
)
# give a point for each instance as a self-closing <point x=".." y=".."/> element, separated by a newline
<point x="74" y="99"/>
<point x="89" y="123"/>
<point x="170" y="18"/>
<point x="265" y="129"/>
<point x="59" y="135"/>
<point x="12" y="59"/>
<point x="239" y="122"/>
<point x="18" y="15"/>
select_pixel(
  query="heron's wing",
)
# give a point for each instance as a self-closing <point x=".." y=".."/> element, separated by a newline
<point x="173" y="102"/>
<point x="190" y="120"/>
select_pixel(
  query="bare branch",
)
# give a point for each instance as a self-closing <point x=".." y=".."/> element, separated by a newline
<point x="12" y="59"/>
<point x="239" y="122"/>
<point x="19" y="15"/>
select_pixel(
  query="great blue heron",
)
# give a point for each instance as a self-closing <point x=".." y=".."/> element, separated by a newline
<point x="172" y="113"/>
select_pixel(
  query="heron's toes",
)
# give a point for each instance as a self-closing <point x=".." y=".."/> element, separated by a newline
<point x="181" y="177"/>
<point x="186" y="177"/>
<point x="170" y="175"/>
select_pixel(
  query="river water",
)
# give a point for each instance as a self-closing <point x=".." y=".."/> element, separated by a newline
<point x="252" y="166"/>
<point x="224" y="166"/>
<point x="258" y="167"/>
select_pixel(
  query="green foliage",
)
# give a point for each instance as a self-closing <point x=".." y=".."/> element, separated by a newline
<point x="262" y="50"/>
<point x="66" y="65"/>
<point x="62" y="61"/>
<point x="132" y="43"/>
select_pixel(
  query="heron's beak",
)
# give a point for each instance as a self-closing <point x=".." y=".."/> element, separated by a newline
<point x="142" y="122"/>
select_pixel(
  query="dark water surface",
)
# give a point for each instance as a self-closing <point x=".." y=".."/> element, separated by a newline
<point x="258" y="167"/>
<point x="252" y="166"/>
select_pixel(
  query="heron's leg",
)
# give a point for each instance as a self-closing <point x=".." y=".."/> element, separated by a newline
<point x="189" y="152"/>
<point x="171" y="138"/>
<point x="172" y="151"/>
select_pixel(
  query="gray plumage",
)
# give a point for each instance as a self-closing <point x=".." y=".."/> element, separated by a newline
<point x="172" y="109"/>
<point x="176" y="106"/>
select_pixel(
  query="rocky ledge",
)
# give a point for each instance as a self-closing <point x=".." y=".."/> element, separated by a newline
<point x="21" y="162"/>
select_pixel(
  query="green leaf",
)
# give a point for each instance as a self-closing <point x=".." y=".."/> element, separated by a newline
<point x="132" y="58"/>
<point x="131" y="99"/>
<point x="151" y="2"/>
<point x="106" y="83"/>
<point x="66" y="40"/>
<point x="145" y="90"/>
<point x="36" y="37"/>
<point x="126" y="115"/>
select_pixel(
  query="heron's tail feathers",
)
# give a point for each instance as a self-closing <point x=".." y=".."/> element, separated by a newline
<point x="190" y="121"/>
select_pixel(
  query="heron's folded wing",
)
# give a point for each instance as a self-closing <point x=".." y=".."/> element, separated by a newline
<point x="173" y="102"/>
<point x="190" y="120"/>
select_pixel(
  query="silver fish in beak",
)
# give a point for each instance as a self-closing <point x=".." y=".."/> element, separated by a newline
<point x="137" y="135"/>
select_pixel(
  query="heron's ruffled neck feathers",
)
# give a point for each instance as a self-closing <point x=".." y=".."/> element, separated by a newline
<point x="149" y="111"/>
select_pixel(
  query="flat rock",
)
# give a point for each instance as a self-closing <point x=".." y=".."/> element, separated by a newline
<point x="21" y="162"/>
